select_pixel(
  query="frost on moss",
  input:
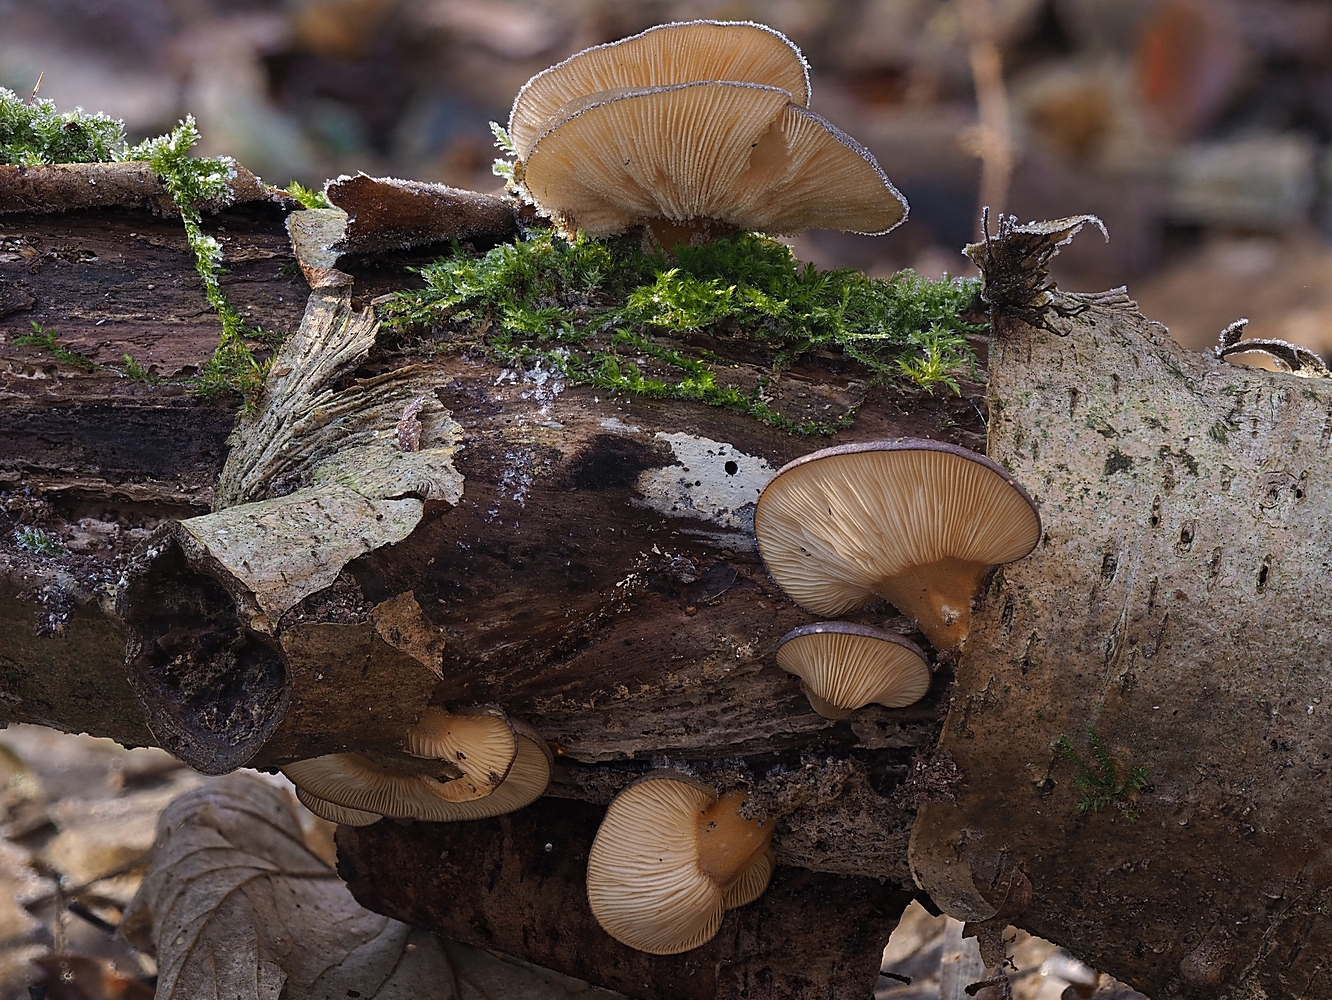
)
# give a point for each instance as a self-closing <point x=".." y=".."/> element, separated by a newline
<point x="35" y="133"/>
<point x="595" y="310"/>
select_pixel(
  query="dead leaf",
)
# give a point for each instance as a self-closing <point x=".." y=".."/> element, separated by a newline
<point x="236" y="905"/>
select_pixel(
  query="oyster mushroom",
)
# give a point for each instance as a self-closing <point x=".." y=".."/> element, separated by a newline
<point x="683" y="52"/>
<point x="674" y="144"/>
<point x="669" y="858"/>
<point x="843" y="667"/>
<point x="917" y="522"/>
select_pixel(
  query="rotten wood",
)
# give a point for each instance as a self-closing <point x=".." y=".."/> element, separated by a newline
<point x="517" y="884"/>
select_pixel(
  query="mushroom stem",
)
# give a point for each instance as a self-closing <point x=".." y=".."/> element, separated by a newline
<point x="668" y="233"/>
<point x="728" y="842"/>
<point x="938" y="596"/>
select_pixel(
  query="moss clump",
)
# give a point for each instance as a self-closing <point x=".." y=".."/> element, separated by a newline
<point x="191" y="180"/>
<point x="38" y="541"/>
<point x="1101" y="781"/>
<point x="308" y="197"/>
<point x="33" y="133"/>
<point x="596" y="310"/>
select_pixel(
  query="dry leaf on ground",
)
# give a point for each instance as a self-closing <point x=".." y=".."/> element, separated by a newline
<point x="236" y="905"/>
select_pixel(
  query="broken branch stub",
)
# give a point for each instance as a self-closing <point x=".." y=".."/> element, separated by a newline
<point x="316" y="478"/>
<point x="1176" y="607"/>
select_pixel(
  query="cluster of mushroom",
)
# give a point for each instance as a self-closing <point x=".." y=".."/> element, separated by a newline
<point x="455" y="766"/>
<point x="916" y="522"/>
<point x="692" y="128"/>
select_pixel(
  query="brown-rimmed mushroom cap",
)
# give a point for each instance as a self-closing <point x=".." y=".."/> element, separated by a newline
<point x="669" y="858"/>
<point x="719" y="153"/>
<point x="334" y="813"/>
<point x="480" y="742"/>
<point x="843" y="667"/>
<point x="917" y="522"/>
<point x="682" y="52"/>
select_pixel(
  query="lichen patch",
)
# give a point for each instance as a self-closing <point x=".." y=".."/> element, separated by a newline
<point x="711" y="481"/>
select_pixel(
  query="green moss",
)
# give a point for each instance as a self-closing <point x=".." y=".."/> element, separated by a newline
<point x="1101" y="781"/>
<point x="191" y="180"/>
<point x="136" y="372"/>
<point x="307" y="196"/>
<point x="33" y="133"/>
<point x="45" y="338"/>
<point x="38" y="541"/>
<point x="603" y="311"/>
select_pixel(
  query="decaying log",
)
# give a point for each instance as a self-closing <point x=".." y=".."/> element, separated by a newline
<point x="1177" y="606"/>
<point x="391" y="531"/>
<point x="518" y="884"/>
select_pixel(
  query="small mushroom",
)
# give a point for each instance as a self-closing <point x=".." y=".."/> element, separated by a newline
<point x="843" y="667"/>
<point x="684" y="52"/>
<point x="403" y="788"/>
<point x="335" y="813"/>
<point x="917" y="522"/>
<point x="525" y="782"/>
<point x="669" y="858"/>
<point x="356" y="782"/>
<point x="481" y="742"/>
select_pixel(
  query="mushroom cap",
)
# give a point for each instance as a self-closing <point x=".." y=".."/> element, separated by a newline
<point x="846" y="666"/>
<point x="740" y="154"/>
<point x="669" y="859"/>
<point x="683" y="52"/>
<point x="335" y="813"/>
<point x="526" y="780"/>
<point x="356" y="782"/>
<point x="481" y="742"/>
<point x="918" y="522"/>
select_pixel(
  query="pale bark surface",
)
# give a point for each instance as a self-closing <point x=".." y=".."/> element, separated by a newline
<point x="1177" y="604"/>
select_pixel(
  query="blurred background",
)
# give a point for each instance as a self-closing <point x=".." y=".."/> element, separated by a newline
<point x="1199" y="130"/>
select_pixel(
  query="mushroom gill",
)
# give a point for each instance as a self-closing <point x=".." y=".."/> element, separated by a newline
<point x="709" y="153"/>
<point x="917" y="522"/>
<point x="669" y="858"/>
<point x="683" y="52"/>
<point x="843" y="667"/>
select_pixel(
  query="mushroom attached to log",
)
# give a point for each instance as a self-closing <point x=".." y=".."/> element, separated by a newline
<point x="843" y="667"/>
<point x="674" y="144"/>
<point x="683" y="52"/>
<point x="334" y="813"/>
<point x="917" y="522"/>
<point x="670" y="858"/>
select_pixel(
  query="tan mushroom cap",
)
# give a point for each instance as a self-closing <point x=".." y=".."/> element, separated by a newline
<point x="737" y="154"/>
<point x="354" y="781"/>
<point x="481" y="742"/>
<point x="525" y="783"/>
<point x="669" y="858"/>
<point x="335" y="813"/>
<point x="683" y="52"/>
<point x="917" y="522"/>
<point x="843" y="667"/>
